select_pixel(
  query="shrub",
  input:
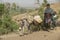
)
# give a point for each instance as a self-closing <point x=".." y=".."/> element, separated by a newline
<point x="6" y="24"/>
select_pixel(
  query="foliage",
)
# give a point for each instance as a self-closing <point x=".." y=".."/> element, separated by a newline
<point x="1" y="9"/>
<point x="34" y="27"/>
<point x="14" y="6"/>
<point x="45" y="1"/>
<point x="6" y="24"/>
<point x="41" y="9"/>
<point x="37" y="1"/>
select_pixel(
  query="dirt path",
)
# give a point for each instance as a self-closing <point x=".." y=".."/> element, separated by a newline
<point x="41" y="35"/>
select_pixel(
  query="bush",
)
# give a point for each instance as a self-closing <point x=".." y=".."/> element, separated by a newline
<point x="1" y="9"/>
<point x="6" y="24"/>
<point x="35" y="27"/>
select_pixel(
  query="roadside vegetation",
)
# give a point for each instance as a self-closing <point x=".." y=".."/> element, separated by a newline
<point x="8" y="10"/>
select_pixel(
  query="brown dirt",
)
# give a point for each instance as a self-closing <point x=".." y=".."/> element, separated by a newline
<point x="41" y="35"/>
<point x="56" y="6"/>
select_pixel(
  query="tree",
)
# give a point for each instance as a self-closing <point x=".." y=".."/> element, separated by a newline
<point x="38" y="2"/>
<point x="1" y="9"/>
<point x="45" y="1"/>
<point x="41" y="9"/>
<point x="14" y="6"/>
<point x="6" y="24"/>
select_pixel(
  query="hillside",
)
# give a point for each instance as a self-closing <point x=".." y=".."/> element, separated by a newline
<point x="56" y="6"/>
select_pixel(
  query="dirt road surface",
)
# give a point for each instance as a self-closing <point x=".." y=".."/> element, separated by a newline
<point x="41" y="35"/>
